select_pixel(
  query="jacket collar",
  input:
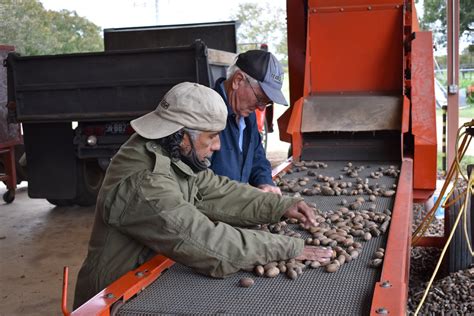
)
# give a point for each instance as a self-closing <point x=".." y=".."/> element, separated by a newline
<point x="219" y="87"/>
<point x="155" y="148"/>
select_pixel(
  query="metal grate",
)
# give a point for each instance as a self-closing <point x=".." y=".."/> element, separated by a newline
<point x="347" y="292"/>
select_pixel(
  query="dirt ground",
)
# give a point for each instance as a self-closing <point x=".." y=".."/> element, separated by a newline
<point x="37" y="240"/>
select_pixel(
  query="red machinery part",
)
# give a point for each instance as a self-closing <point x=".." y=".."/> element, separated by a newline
<point x="315" y="59"/>
<point x="124" y="288"/>
<point x="355" y="34"/>
<point x="260" y="119"/>
<point x="423" y="115"/>
<point x="391" y="293"/>
<point x="9" y="134"/>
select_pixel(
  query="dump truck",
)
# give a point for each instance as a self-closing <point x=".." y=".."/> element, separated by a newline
<point x="75" y="109"/>
<point x="361" y="124"/>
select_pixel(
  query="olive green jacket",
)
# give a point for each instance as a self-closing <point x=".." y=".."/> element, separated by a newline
<point x="150" y="204"/>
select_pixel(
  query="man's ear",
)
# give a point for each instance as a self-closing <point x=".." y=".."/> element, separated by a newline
<point x="186" y="144"/>
<point x="237" y="79"/>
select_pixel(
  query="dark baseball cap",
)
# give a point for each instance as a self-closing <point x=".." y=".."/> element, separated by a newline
<point x="267" y="70"/>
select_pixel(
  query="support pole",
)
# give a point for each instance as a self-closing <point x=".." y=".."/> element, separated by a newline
<point x="443" y="141"/>
<point x="452" y="15"/>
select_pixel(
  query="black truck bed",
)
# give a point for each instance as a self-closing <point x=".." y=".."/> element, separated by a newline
<point x="103" y="86"/>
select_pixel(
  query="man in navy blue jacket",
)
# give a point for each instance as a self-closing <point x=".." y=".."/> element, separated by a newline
<point x="253" y="82"/>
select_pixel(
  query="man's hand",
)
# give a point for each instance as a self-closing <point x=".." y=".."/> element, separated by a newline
<point x="303" y="213"/>
<point x="320" y="254"/>
<point x="269" y="188"/>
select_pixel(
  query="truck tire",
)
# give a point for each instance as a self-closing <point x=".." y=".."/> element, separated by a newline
<point x="89" y="180"/>
<point x="458" y="255"/>
<point x="61" y="202"/>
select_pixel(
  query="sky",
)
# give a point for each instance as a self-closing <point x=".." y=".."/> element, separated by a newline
<point x="128" y="13"/>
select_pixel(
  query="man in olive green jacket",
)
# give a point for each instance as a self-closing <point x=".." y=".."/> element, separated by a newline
<point x="159" y="197"/>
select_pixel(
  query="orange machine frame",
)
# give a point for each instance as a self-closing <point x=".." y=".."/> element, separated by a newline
<point x="390" y="293"/>
<point x="121" y="290"/>
<point x="319" y="39"/>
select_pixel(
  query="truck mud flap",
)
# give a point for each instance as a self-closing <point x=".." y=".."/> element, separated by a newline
<point x="51" y="161"/>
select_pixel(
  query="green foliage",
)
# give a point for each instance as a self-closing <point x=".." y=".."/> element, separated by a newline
<point x="466" y="77"/>
<point x="466" y="160"/>
<point x="262" y="24"/>
<point x="434" y="18"/>
<point x="467" y="112"/>
<point x="36" y="31"/>
<point x="465" y="81"/>
<point x="466" y="59"/>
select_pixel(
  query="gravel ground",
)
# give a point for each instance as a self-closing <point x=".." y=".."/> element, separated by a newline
<point x="449" y="295"/>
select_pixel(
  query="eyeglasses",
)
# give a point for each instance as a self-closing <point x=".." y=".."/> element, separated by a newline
<point x="261" y="103"/>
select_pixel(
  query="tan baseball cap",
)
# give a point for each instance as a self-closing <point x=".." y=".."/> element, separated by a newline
<point x="187" y="104"/>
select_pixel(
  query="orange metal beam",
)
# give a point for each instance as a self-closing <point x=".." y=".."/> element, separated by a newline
<point x="423" y="111"/>
<point x="391" y="293"/>
<point x="294" y="129"/>
<point x="64" y="296"/>
<point x="296" y="31"/>
<point x="296" y="26"/>
<point x="431" y="241"/>
<point x="421" y="196"/>
<point x="125" y="287"/>
<point x="414" y="17"/>
<point x="350" y="3"/>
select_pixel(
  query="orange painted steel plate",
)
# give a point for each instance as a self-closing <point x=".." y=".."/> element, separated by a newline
<point x="351" y="3"/>
<point x="393" y="296"/>
<point x="125" y="287"/>
<point x="352" y="51"/>
<point x="423" y="111"/>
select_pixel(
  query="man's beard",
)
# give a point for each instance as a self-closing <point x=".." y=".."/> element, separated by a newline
<point x="192" y="160"/>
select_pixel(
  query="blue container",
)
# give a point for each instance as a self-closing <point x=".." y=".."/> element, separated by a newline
<point x="440" y="210"/>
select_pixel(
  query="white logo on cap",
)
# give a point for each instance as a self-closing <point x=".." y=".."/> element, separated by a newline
<point x="164" y="104"/>
<point x="277" y="78"/>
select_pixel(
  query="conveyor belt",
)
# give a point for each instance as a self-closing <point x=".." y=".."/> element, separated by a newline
<point x="347" y="292"/>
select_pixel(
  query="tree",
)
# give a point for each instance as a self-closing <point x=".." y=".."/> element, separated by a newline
<point x="34" y="30"/>
<point x="434" y="18"/>
<point x="262" y="24"/>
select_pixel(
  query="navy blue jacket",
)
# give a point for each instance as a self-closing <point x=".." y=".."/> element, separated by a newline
<point x="249" y="166"/>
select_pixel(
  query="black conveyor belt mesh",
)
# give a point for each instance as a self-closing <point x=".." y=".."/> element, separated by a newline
<point x="347" y="292"/>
